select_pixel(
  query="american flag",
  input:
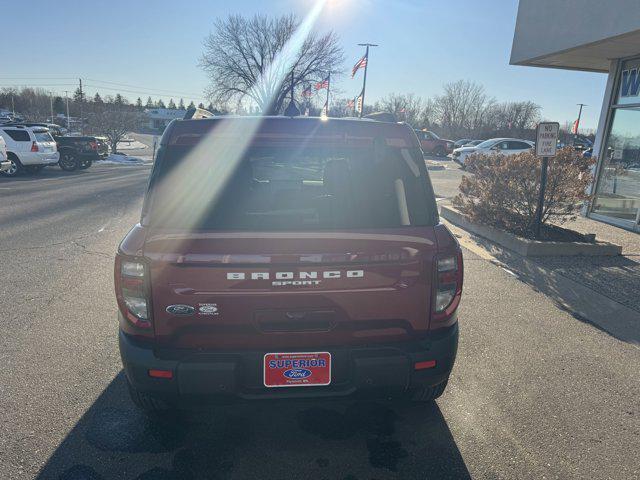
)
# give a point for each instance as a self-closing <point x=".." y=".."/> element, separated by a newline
<point x="322" y="84"/>
<point x="360" y="64"/>
<point x="307" y="92"/>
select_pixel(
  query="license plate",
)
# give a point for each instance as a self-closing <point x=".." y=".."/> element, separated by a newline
<point x="306" y="369"/>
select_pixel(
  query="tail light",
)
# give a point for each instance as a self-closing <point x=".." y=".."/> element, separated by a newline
<point x="93" y="145"/>
<point x="34" y="147"/>
<point x="132" y="293"/>
<point x="448" y="287"/>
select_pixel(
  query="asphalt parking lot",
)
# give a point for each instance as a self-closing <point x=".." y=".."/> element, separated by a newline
<point x="536" y="392"/>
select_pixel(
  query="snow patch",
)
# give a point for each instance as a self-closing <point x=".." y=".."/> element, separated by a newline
<point x="119" y="159"/>
<point x="130" y="144"/>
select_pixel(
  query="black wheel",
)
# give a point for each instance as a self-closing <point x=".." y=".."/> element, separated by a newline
<point x="15" y="168"/>
<point x="33" y="169"/>
<point x="84" y="164"/>
<point x="149" y="405"/>
<point x="439" y="151"/>
<point x="428" y="394"/>
<point x="68" y="162"/>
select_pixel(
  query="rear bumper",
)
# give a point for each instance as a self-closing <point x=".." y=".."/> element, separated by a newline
<point x="39" y="158"/>
<point x="219" y="376"/>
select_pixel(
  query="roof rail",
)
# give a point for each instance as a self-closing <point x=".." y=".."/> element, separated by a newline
<point x="197" y="113"/>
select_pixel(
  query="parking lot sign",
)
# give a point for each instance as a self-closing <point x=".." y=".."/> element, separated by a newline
<point x="547" y="139"/>
<point x="546" y="142"/>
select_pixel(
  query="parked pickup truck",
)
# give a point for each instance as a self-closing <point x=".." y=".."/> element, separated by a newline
<point x="432" y="144"/>
<point x="77" y="152"/>
<point x="283" y="257"/>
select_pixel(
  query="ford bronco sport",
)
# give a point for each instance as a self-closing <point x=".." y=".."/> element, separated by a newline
<point x="287" y="257"/>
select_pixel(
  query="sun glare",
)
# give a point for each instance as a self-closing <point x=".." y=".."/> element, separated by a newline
<point x="230" y="141"/>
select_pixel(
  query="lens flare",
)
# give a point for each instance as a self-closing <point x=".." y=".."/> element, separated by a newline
<point x="212" y="162"/>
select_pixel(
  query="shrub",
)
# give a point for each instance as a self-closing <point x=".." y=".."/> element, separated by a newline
<point x="503" y="190"/>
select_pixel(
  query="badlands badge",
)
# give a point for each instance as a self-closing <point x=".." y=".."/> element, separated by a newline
<point x="207" y="309"/>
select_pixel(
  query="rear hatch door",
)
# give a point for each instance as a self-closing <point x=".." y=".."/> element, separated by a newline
<point x="280" y="291"/>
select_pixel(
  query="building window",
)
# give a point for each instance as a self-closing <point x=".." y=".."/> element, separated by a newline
<point x="618" y="189"/>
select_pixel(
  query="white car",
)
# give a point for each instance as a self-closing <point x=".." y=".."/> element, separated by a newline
<point x="28" y="148"/>
<point x="4" y="163"/>
<point x="506" y="146"/>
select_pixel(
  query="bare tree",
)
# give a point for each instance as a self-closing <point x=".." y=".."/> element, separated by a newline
<point x="253" y="58"/>
<point x="514" y="118"/>
<point x="462" y="108"/>
<point x="114" y="123"/>
<point x="406" y="107"/>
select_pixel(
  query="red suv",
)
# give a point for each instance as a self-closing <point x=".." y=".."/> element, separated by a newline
<point x="287" y="257"/>
<point x="432" y="144"/>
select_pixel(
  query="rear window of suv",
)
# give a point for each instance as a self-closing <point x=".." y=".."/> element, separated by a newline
<point x="18" y="135"/>
<point x="43" y="136"/>
<point x="292" y="187"/>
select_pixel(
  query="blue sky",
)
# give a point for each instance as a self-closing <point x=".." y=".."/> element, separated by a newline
<point x="154" y="46"/>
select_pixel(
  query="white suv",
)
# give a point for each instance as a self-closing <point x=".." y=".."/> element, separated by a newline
<point x="4" y="163"/>
<point x="28" y="148"/>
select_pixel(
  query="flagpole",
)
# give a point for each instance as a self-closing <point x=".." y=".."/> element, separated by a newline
<point x="366" y="66"/>
<point x="577" y="124"/>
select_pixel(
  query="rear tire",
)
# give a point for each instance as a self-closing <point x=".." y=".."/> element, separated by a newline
<point x="428" y="393"/>
<point x="68" y="162"/>
<point x="15" y="168"/>
<point x="149" y="405"/>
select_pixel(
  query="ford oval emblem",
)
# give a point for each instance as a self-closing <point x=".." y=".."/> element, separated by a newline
<point x="180" y="309"/>
<point x="297" y="373"/>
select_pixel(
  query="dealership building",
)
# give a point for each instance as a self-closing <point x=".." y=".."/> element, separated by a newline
<point x="595" y="36"/>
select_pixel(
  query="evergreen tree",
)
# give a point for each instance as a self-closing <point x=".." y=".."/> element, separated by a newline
<point x="118" y="100"/>
<point x="97" y="98"/>
<point x="78" y="95"/>
<point x="210" y="107"/>
<point x="149" y="103"/>
<point x="160" y="104"/>
<point x="191" y="105"/>
<point x="58" y="105"/>
<point x="172" y="104"/>
<point x="181" y="104"/>
<point x="200" y="105"/>
<point x="139" y="103"/>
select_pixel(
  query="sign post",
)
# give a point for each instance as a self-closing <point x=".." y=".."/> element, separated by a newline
<point x="546" y="143"/>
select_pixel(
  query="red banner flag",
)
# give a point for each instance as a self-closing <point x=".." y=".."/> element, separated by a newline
<point x="574" y="129"/>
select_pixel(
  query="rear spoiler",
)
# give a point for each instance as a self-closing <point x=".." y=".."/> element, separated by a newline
<point x="197" y="113"/>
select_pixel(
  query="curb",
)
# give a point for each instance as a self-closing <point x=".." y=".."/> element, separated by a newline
<point x="582" y="302"/>
<point x="526" y="247"/>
